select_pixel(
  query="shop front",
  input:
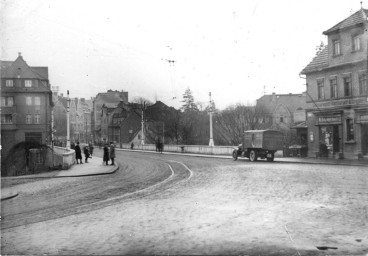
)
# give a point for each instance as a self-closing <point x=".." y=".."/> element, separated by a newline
<point x="330" y="133"/>
<point x="362" y="123"/>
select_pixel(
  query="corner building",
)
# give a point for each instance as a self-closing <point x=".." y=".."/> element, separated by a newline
<point x="337" y="92"/>
<point x="26" y="104"/>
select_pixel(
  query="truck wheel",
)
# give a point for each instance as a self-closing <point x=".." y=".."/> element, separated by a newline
<point x="270" y="159"/>
<point x="235" y="155"/>
<point x="253" y="156"/>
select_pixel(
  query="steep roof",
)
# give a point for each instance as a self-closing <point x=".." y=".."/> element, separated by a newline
<point x="357" y="18"/>
<point x="291" y="101"/>
<point x="318" y="63"/>
<point x="13" y="69"/>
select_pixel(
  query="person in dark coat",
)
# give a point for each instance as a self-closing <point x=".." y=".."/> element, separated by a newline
<point x="106" y="154"/>
<point x="78" y="153"/>
<point x="86" y="154"/>
<point x="112" y="153"/>
<point x="91" y="149"/>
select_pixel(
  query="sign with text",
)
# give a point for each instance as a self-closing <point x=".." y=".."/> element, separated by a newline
<point x="329" y="120"/>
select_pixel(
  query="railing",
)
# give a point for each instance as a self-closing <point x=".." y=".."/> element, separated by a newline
<point x="194" y="149"/>
<point x="197" y="149"/>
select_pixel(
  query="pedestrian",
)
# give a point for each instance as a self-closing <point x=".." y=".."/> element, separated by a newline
<point x="91" y="149"/>
<point x="86" y="154"/>
<point x="112" y="153"/>
<point x="106" y="154"/>
<point x="78" y="153"/>
<point x="132" y="146"/>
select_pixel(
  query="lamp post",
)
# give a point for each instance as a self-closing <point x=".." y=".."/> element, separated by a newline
<point x="142" y="141"/>
<point x="67" y="121"/>
<point x="211" y="143"/>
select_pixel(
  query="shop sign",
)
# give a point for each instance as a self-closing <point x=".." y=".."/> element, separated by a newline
<point x="342" y="102"/>
<point x="329" y="119"/>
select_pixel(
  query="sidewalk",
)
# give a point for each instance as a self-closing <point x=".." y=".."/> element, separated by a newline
<point x="93" y="167"/>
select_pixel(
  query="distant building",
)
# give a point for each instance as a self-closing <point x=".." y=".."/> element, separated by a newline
<point x="113" y="98"/>
<point x="26" y="104"/>
<point x="282" y="111"/>
<point x="337" y="91"/>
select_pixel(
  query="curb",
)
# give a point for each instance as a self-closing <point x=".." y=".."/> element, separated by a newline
<point x="90" y="174"/>
<point x="10" y="196"/>
<point x="230" y="158"/>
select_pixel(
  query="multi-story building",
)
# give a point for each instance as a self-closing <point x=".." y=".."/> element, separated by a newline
<point x="282" y="111"/>
<point x="113" y="98"/>
<point x="26" y="104"/>
<point x="337" y="91"/>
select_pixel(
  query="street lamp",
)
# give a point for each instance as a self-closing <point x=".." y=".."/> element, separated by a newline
<point x="67" y="121"/>
<point x="211" y="143"/>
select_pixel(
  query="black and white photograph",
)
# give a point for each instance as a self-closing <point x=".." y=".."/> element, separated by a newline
<point x="172" y="127"/>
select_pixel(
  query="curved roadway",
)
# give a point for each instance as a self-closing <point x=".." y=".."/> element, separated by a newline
<point x="169" y="204"/>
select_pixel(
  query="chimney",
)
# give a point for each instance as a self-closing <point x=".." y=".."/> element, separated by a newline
<point x="273" y="97"/>
<point x="19" y="54"/>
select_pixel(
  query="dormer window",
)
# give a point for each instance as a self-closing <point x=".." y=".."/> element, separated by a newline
<point x="356" y="43"/>
<point x="28" y="83"/>
<point x="9" y="83"/>
<point x="336" y="47"/>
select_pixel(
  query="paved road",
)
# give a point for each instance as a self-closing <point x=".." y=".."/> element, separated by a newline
<point x="160" y="204"/>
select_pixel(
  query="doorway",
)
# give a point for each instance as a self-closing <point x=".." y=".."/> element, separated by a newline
<point x="364" y="131"/>
<point x="335" y="139"/>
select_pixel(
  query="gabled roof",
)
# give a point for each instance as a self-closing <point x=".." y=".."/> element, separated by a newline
<point x="13" y="69"/>
<point x="292" y="102"/>
<point x="357" y="18"/>
<point x="318" y="63"/>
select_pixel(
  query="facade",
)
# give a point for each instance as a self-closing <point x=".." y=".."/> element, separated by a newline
<point x="286" y="113"/>
<point x="109" y="97"/>
<point x="26" y="104"/>
<point x="337" y="116"/>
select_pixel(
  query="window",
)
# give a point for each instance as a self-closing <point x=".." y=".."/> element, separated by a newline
<point x="37" y="119"/>
<point x="28" y="100"/>
<point x="363" y="88"/>
<point x="7" y="101"/>
<point x="321" y="91"/>
<point x="7" y="119"/>
<point x="333" y="87"/>
<point x="336" y="47"/>
<point x="28" y="83"/>
<point x="9" y="83"/>
<point x="356" y="43"/>
<point x="347" y="86"/>
<point x="28" y="119"/>
<point x="349" y="129"/>
<point x="281" y="119"/>
<point x="37" y="101"/>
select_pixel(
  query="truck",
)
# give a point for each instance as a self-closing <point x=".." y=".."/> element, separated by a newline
<point x="259" y="144"/>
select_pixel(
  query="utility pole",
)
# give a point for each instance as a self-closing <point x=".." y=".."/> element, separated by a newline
<point x="211" y="143"/>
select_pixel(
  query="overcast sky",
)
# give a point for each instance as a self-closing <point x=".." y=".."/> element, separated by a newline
<point x="236" y="49"/>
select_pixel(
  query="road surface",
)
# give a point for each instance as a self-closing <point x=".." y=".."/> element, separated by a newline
<point x="168" y="204"/>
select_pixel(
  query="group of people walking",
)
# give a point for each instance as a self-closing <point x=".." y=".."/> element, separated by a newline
<point x="108" y="153"/>
<point x="87" y="150"/>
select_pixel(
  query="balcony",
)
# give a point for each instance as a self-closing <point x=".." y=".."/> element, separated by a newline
<point x="9" y="126"/>
<point x="9" y="110"/>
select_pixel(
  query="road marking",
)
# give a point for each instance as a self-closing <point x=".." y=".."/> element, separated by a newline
<point x="186" y="167"/>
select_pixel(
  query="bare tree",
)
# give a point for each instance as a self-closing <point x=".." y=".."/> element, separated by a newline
<point x="234" y="120"/>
